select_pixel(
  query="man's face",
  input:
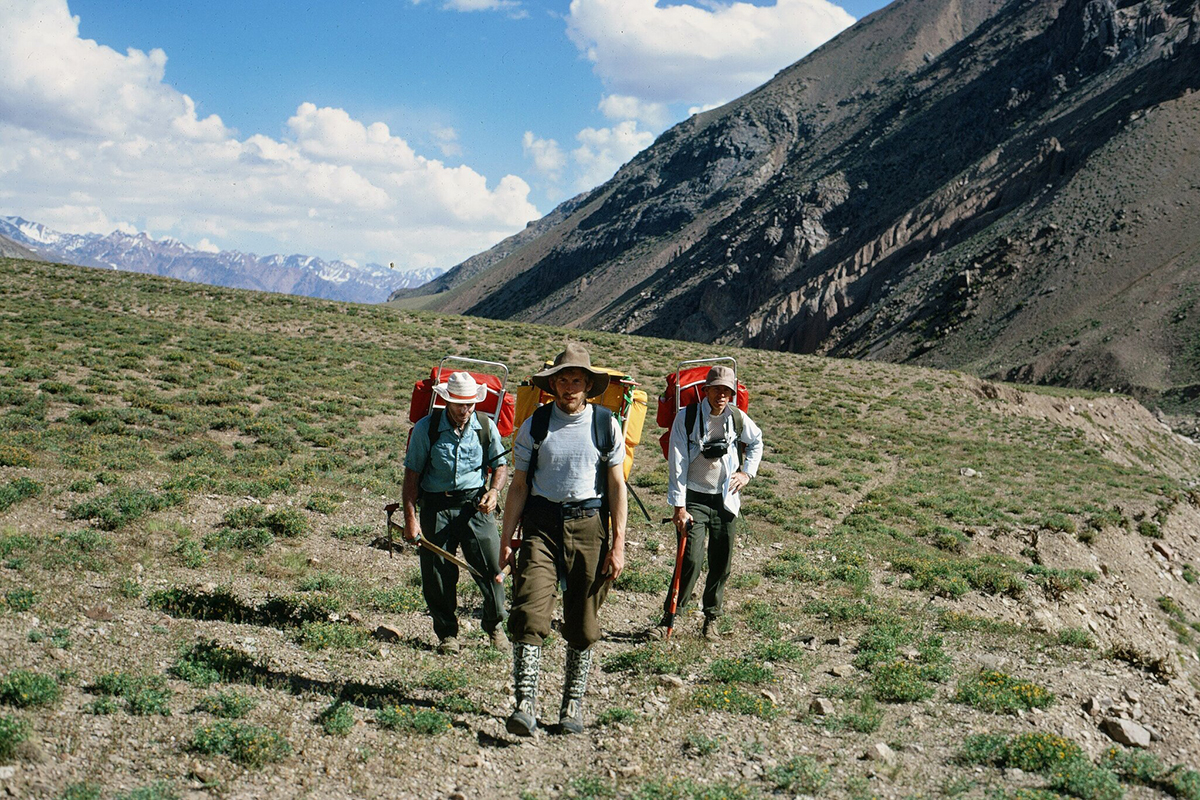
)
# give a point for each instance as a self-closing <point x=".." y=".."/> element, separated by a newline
<point x="570" y="389"/>
<point x="459" y="413"/>
<point x="718" y="397"/>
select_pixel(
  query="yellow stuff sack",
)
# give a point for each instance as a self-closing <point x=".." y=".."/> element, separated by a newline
<point x="621" y="398"/>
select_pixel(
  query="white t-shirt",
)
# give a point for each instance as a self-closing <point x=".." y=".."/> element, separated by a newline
<point x="706" y="474"/>
<point x="566" y="468"/>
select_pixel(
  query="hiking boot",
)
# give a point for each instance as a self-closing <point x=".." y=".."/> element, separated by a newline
<point x="497" y="639"/>
<point x="658" y="633"/>
<point x="709" y="631"/>
<point x="527" y="668"/>
<point x="575" y="680"/>
<point x="448" y="645"/>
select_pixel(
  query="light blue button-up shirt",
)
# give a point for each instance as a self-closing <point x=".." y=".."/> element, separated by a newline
<point x="453" y="464"/>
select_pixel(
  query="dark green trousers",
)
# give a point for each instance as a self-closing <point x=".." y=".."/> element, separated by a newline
<point x="552" y="545"/>
<point x="713" y="522"/>
<point x="451" y="528"/>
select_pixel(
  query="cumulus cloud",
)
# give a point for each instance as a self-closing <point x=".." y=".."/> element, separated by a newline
<point x="447" y="141"/>
<point x="548" y="158"/>
<point x="602" y="151"/>
<point x="697" y="54"/>
<point x="92" y="139"/>
<point x="624" y="107"/>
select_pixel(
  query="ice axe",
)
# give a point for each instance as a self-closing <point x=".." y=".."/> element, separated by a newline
<point x="428" y="545"/>
<point x="673" y="595"/>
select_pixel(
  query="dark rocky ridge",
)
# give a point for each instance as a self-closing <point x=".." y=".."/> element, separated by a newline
<point x="1005" y="187"/>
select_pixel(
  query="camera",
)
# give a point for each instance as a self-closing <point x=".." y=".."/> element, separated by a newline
<point x="714" y="449"/>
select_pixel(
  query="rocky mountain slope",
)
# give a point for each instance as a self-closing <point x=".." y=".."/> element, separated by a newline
<point x="294" y="274"/>
<point x="943" y="586"/>
<point x="1010" y="187"/>
<point x="10" y="249"/>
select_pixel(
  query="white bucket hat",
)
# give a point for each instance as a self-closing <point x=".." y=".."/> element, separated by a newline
<point x="461" y="387"/>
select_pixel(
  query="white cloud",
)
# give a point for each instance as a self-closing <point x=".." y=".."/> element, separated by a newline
<point x="205" y="246"/>
<point x="623" y="107"/>
<point x="92" y="140"/>
<point x="548" y="157"/>
<point x="697" y="55"/>
<point x="510" y="7"/>
<point x="447" y="141"/>
<point x="602" y="151"/>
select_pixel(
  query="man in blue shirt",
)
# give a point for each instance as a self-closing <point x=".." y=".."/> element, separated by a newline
<point x="458" y="503"/>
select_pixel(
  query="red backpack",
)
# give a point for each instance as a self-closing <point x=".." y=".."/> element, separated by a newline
<point x="423" y="399"/>
<point x="690" y="382"/>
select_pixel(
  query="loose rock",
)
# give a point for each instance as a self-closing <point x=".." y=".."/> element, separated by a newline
<point x="1126" y="732"/>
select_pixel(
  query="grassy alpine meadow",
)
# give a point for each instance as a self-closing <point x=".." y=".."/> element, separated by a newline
<point x="192" y="478"/>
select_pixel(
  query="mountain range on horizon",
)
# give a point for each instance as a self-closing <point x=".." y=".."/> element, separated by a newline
<point x="1008" y="187"/>
<point x="292" y="274"/>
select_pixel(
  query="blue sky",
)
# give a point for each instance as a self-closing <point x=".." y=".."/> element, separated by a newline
<point x="413" y="132"/>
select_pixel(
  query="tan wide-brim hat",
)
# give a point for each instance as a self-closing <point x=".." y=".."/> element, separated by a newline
<point x="461" y="387"/>
<point x="575" y="356"/>
<point x="722" y="376"/>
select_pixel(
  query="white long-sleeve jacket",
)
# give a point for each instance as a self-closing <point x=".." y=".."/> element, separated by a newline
<point x="684" y="446"/>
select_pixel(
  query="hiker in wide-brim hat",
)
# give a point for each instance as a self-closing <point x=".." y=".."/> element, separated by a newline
<point x="462" y="388"/>
<point x="575" y="356"/>
<point x="454" y="469"/>
<point x="568" y="497"/>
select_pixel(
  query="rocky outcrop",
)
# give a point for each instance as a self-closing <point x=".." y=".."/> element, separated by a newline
<point x="976" y="185"/>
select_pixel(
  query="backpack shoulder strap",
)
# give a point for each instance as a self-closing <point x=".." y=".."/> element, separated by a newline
<point x="739" y="425"/>
<point x="435" y="426"/>
<point x="539" y="426"/>
<point x="689" y="418"/>
<point x="485" y="441"/>
<point x="602" y="435"/>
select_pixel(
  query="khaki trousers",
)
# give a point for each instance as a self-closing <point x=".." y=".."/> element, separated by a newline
<point x="557" y="545"/>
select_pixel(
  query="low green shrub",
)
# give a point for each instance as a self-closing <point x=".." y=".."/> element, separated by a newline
<point x="799" y="774"/>
<point x="737" y="670"/>
<point x="734" y="699"/>
<point x="20" y="599"/>
<point x="1075" y="637"/>
<point x="337" y="719"/>
<point x="990" y="690"/>
<point x="426" y="721"/>
<point x="900" y="682"/>
<point x="26" y="689"/>
<point x="612" y="716"/>
<point x="144" y="695"/>
<point x="16" y="491"/>
<point x="248" y="745"/>
<point x="227" y="705"/>
<point x="288" y="523"/>
<point x="122" y="506"/>
<point x="13" y="731"/>
<point x="336" y="635"/>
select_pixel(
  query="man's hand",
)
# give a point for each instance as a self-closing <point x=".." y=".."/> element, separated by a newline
<point x="682" y="520"/>
<point x="506" y="554"/>
<point x="614" y="563"/>
<point x="412" y="531"/>
<point x="738" y="481"/>
<point x="489" y="501"/>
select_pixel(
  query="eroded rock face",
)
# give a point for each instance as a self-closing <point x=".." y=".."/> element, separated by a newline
<point x="984" y="201"/>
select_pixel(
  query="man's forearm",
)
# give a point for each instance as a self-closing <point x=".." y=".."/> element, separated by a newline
<point x="499" y="476"/>
<point x="514" y="505"/>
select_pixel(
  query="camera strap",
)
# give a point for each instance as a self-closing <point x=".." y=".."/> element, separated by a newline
<point x="690" y="413"/>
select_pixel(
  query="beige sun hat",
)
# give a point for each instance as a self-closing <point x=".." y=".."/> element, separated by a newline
<point x="722" y="376"/>
<point x="461" y="387"/>
<point x="575" y="356"/>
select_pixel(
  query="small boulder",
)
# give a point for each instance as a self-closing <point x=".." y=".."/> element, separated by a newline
<point x="880" y="752"/>
<point x="822" y="706"/>
<point x="673" y="681"/>
<point x="388" y="633"/>
<point x="1164" y="550"/>
<point x="1127" y="732"/>
<point x="842" y="670"/>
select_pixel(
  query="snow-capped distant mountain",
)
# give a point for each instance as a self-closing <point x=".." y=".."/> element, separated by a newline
<point x="294" y="274"/>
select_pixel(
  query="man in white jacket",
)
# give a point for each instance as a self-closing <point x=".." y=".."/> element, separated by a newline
<point x="714" y="451"/>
